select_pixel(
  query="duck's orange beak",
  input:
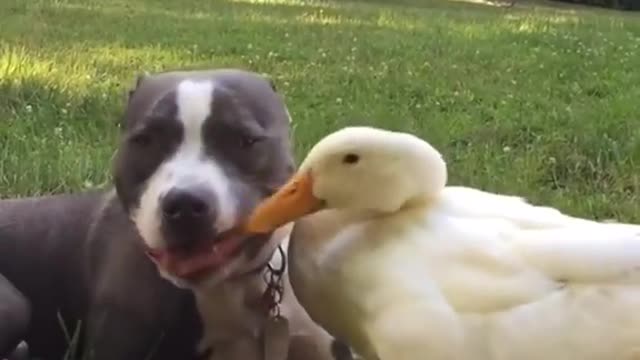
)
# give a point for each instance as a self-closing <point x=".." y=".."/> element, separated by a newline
<point x="293" y="201"/>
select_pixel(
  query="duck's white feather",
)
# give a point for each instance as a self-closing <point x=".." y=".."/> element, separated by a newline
<point x="561" y="246"/>
<point x="473" y="203"/>
<point x="473" y="275"/>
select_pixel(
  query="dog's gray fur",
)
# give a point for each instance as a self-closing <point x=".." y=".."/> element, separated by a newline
<point x="80" y="259"/>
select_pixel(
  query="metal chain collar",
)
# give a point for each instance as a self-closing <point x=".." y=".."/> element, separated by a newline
<point x="272" y="296"/>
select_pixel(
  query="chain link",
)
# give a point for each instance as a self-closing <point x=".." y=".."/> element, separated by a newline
<point x="272" y="296"/>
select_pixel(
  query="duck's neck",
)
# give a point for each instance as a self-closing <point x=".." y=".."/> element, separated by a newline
<point x="352" y="215"/>
<point x="420" y="201"/>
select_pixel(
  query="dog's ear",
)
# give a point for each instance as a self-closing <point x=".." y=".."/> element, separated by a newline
<point x="273" y="84"/>
<point x="139" y="79"/>
<point x="271" y="81"/>
<point x="129" y="94"/>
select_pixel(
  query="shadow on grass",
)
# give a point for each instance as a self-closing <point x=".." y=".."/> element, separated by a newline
<point x="133" y="37"/>
<point x="53" y="141"/>
<point x="566" y="5"/>
<point x="135" y="25"/>
<point x="454" y="5"/>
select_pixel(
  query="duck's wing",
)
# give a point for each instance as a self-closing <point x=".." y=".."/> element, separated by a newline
<point x="473" y="203"/>
<point x="583" y="254"/>
<point x="563" y="247"/>
<point x="503" y="252"/>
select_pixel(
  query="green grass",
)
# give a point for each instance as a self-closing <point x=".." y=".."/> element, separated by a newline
<point x="540" y="102"/>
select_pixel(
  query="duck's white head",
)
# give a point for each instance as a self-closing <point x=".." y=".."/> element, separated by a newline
<point x="359" y="168"/>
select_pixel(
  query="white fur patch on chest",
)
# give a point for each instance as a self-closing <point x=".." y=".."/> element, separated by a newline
<point x="232" y="325"/>
<point x="225" y="310"/>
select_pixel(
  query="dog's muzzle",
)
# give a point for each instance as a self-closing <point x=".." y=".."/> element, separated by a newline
<point x="188" y="218"/>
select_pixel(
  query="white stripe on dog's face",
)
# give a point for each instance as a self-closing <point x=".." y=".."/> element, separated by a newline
<point x="189" y="166"/>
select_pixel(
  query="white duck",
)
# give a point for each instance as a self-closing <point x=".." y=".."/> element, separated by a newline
<point x="405" y="268"/>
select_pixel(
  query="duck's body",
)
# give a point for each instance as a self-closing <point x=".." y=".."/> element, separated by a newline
<point x="463" y="274"/>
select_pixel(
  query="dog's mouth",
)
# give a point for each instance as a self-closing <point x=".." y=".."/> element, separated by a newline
<point x="206" y="258"/>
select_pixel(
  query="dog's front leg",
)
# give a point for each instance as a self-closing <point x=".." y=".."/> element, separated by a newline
<point x="116" y="332"/>
<point x="240" y="349"/>
<point x="15" y="312"/>
<point x="148" y="324"/>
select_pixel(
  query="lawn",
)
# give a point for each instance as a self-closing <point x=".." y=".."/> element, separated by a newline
<point x="530" y="100"/>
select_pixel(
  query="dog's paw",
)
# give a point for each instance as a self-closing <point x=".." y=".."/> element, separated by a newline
<point x="20" y="353"/>
<point x="342" y="351"/>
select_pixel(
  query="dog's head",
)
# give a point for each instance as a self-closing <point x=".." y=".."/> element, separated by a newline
<point x="199" y="150"/>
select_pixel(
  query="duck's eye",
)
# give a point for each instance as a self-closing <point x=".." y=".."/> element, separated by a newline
<point x="350" y="159"/>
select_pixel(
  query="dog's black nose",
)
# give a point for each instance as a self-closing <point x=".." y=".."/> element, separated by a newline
<point x="184" y="205"/>
<point x="188" y="217"/>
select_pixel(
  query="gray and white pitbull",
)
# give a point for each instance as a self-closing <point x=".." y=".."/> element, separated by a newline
<point x="120" y="268"/>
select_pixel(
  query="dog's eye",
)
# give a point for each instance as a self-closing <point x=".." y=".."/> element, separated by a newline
<point x="249" y="141"/>
<point x="141" y="139"/>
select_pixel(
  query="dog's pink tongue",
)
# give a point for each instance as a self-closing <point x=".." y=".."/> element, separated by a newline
<point x="192" y="265"/>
